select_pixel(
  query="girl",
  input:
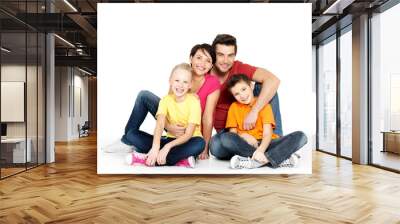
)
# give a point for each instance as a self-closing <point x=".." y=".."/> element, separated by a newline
<point x="178" y="108"/>
<point x="205" y="85"/>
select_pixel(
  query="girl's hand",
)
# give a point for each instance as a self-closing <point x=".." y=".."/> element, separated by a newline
<point x="259" y="156"/>
<point x="152" y="157"/>
<point x="162" y="155"/>
<point x="204" y="154"/>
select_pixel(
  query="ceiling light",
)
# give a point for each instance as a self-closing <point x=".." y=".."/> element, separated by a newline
<point x="84" y="71"/>
<point x="338" y="6"/>
<point x="64" y="40"/>
<point x="70" y="5"/>
<point x="5" y="50"/>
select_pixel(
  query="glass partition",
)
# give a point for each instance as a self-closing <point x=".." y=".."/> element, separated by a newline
<point x="327" y="96"/>
<point x="22" y="77"/>
<point x="385" y="88"/>
<point x="346" y="93"/>
<point x="13" y="105"/>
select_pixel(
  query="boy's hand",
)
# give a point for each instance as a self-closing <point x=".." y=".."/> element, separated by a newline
<point x="176" y="130"/>
<point x="259" y="156"/>
<point x="249" y="139"/>
<point x="152" y="157"/>
<point x="162" y="155"/>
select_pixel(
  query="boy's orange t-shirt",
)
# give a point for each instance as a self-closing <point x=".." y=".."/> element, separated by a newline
<point x="237" y="113"/>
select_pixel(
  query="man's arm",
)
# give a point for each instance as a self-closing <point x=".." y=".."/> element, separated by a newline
<point x="270" y="84"/>
<point x="175" y="130"/>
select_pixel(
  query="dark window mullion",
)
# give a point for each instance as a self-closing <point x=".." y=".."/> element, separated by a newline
<point x="317" y="95"/>
<point x="37" y="90"/>
<point x="26" y="86"/>
<point x="338" y="92"/>
<point x="369" y="94"/>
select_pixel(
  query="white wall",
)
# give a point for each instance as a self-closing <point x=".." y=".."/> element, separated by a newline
<point x="146" y="56"/>
<point x="15" y="72"/>
<point x="33" y="127"/>
<point x="70" y="83"/>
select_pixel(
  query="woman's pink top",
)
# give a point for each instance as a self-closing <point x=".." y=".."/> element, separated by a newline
<point x="209" y="86"/>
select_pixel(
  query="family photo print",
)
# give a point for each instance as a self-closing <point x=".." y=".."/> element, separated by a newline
<point x="205" y="89"/>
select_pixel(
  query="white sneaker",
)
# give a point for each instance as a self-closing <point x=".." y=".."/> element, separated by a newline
<point x="291" y="162"/>
<point x="118" y="146"/>
<point x="239" y="162"/>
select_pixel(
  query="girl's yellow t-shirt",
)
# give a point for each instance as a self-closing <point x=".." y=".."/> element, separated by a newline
<point x="181" y="113"/>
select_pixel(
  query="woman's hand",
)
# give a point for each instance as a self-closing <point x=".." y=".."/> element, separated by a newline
<point x="249" y="139"/>
<point x="152" y="157"/>
<point x="259" y="156"/>
<point x="162" y="155"/>
<point x="204" y="154"/>
<point x="176" y="130"/>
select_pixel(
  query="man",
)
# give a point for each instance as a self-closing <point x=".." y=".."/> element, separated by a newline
<point x="225" y="66"/>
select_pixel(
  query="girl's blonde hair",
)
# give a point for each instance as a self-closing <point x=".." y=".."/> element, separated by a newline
<point x="183" y="66"/>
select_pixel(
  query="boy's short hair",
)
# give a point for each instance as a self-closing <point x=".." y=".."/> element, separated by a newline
<point x="225" y="39"/>
<point x="238" y="78"/>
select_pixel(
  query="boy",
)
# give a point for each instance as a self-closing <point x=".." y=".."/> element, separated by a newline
<point x="258" y="146"/>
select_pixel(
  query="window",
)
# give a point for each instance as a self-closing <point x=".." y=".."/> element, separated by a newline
<point x="327" y="96"/>
<point x="385" y="88"/>
<point x="346" y="93"/>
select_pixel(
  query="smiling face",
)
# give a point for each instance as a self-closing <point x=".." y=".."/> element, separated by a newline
<point x="242" y="92"/>
<point x="180" y="82"/>
<point x="225" y="57"/>
<point x="201" y="62"/>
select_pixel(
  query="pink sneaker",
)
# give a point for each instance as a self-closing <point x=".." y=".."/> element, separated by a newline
<point x="189" y="162"/>
<point x="136" y="158"/>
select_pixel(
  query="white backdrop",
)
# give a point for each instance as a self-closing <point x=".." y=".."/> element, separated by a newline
<point x="139" y="44"/>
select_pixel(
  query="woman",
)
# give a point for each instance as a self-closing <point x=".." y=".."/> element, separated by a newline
<point x="207" y="86"/>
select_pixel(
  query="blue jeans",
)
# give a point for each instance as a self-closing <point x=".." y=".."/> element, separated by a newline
<point x="144" y="141"/>
<point x="275" y="109"/>
<point x="145" y="102"/>
<point x="225" y="145"/>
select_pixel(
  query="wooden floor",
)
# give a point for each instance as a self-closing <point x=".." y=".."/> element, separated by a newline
<point x="70" y="191"/>
<point x="10" y="171"/>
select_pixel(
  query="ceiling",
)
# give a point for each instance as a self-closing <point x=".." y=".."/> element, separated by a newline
<point x="76" y="22"/>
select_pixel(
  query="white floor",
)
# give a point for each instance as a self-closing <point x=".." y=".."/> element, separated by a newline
<point x="114" y="163"/>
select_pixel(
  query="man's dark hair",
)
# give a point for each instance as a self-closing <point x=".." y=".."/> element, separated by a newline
<point x="225" y="39"/>
<point x="205" y="48"/>
<point x="237" y="78"/>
